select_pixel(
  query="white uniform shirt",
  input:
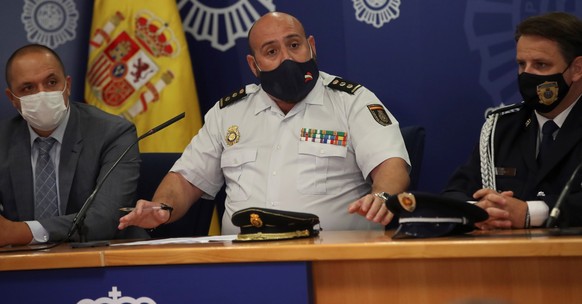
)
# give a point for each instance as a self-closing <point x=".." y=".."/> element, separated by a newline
<point x="268" y="163"/>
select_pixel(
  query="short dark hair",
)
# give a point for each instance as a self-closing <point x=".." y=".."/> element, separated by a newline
<point x="27" y="49"/>
<point x="561" y="27"/>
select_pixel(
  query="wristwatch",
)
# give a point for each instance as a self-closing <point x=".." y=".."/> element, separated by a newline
<point x="382" y="195"/>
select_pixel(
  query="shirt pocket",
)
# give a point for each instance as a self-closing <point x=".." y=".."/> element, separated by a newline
<point x="315" y="162"/>
<point x="234" y="163"/>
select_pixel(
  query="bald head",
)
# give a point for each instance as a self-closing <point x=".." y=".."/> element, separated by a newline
<point x="30" y="49"/>
<point x="271" y="21"/>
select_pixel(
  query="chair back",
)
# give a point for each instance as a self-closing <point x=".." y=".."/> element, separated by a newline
<point x="196" y="222"/>
<point x="414" y="141"/>
<point x="414" y="137"/>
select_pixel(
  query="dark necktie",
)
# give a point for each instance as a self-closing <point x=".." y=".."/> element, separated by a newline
<point x="45" y="192"/>
<point x="547" y="140"/>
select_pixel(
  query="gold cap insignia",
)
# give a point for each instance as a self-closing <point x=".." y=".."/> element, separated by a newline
<point x="407" y="201"/>
<point x="548" y="92"/>
<point x="256" y="220"/>
<point x="232" y="135"/>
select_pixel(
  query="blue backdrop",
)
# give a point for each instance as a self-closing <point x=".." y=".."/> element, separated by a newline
<point x="438" y="63"/>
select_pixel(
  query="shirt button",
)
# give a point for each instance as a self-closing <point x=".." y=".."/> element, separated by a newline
<point x="274" y="172"/>
<point x="278" y="147"/>
<point x="273" y="203"/>
<point x="321" y="151"/>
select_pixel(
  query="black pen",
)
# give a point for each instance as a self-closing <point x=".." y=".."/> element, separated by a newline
<point x="162" y="207"/>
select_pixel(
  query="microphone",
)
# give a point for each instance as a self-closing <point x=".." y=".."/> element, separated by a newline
<point x="555" y="213"/>
<point x="158" y="128"/>
<point x="78" y="224"/>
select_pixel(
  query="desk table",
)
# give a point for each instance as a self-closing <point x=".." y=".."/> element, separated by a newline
<point x="336" y="267"/>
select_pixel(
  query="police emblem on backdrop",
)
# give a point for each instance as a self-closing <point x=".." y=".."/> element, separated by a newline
<point x="548" y="92"/>
<point x="128" y="63"/>
<point x="379" y="114"/>
<point x="232" y="135"/>
<point x="231" y="19"/>
<point x="51" y="23"/>
<point x="376" y="12"/>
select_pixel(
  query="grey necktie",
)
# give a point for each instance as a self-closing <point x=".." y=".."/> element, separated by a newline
<point x="45" y="192"/>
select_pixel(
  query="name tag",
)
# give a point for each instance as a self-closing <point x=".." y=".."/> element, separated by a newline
<point x="505" y="171"/>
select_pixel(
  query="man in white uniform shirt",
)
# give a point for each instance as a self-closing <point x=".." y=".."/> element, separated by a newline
<point x="302" y="141"/>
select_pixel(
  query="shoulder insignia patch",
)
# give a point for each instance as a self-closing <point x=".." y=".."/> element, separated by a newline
<point x="505" y="109"/>
<point x="344" y="85"/>
<point x="232" y="98"/>
<point x="379" y="114"/>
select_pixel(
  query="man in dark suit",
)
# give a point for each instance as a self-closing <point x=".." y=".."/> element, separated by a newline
<point x="528" y="152"/>
<point x="43" y="187"/>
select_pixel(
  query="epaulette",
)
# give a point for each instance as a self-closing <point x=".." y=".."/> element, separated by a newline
<point x="232" y="98"/>
<point x="344" y="85"/>
<point x="504" y="109"/>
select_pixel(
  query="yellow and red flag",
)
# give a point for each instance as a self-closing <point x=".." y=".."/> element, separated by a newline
<point x="139" y="67"/>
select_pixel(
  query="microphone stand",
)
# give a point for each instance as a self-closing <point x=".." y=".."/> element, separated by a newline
<point x="555" y="213"/>
<point x="79" y="220"/>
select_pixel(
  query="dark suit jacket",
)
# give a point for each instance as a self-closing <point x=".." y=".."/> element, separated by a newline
<point x="515" y="147"/>
<point x="92" y="142"/>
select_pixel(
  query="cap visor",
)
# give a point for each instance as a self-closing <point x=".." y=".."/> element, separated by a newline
<point x="423" y="230"/>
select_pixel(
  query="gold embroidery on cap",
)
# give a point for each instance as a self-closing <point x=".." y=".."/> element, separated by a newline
<point x="259" y="236"/>
<point x="232" y="135"/>
<point x="407" y="201"/>
<point x="256" y="220"/>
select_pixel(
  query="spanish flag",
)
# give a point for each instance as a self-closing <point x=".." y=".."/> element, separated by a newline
<point x="139" y="67"/>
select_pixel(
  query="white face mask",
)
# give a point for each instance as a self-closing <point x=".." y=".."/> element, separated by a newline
<point x="44" y="110"/>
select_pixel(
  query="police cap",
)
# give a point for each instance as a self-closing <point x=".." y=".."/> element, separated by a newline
<point x="262" y="224"/>
<point x="424" y="215"/>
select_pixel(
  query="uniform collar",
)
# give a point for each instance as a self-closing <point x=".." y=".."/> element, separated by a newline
<point x="559" y="119"/>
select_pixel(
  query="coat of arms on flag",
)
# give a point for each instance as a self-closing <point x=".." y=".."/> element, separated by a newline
<point x="139" y="68"/>
<point x="127" y="64"/>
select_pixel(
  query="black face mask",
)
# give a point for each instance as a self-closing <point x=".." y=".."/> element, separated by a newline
<point x="291" y="81"/>
<point x="543" y="92"/>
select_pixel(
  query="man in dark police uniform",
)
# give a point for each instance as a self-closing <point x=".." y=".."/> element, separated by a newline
<point x="527" y="152"/>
